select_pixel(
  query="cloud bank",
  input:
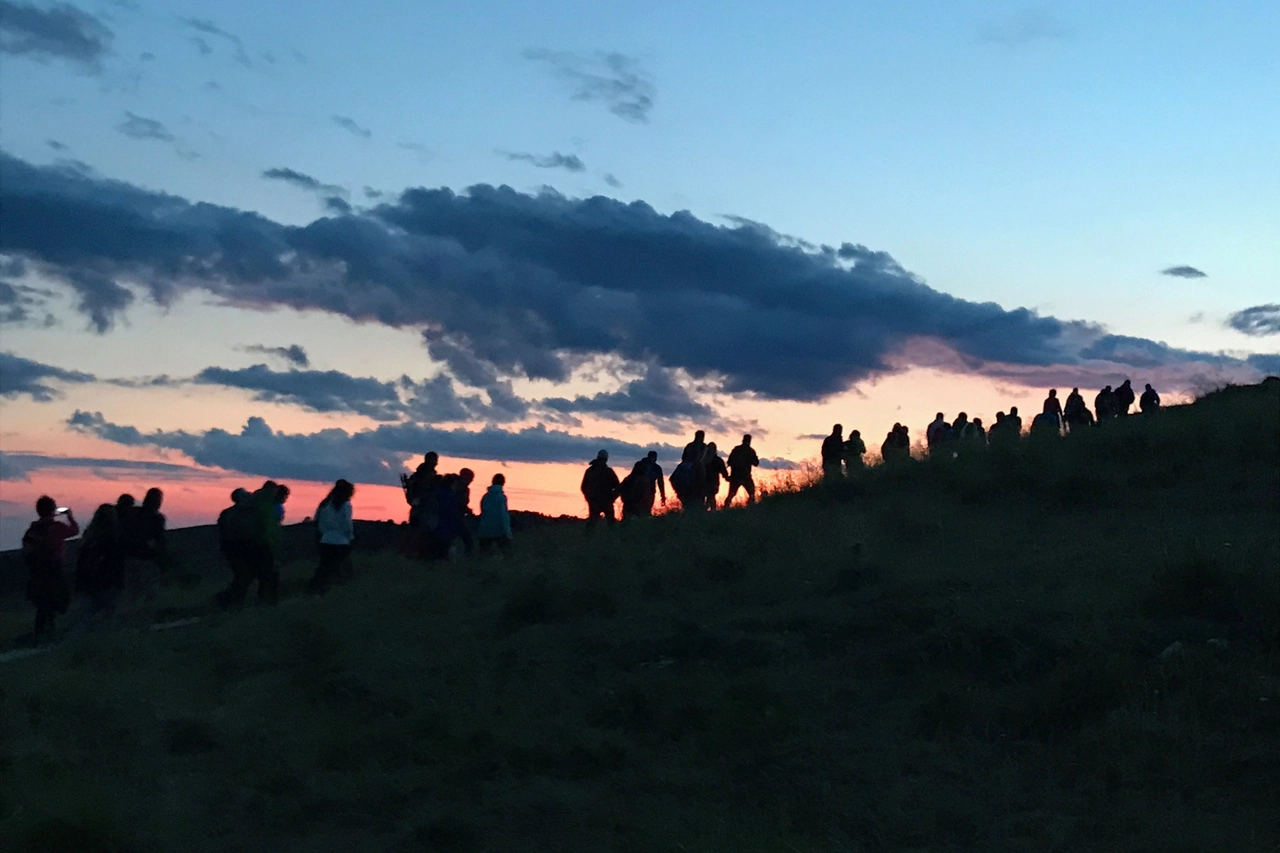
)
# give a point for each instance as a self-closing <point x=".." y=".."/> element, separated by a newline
<point x="367" y="456"/>
<point x="505" y="284"/>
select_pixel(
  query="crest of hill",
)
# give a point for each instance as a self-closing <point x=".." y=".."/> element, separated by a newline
<point x="1074" y="647"/>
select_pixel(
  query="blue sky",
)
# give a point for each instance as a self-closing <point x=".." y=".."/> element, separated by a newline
<point x="1055" y="157"/>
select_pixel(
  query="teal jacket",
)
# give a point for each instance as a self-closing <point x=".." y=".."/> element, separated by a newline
<point x="495" y="521"/>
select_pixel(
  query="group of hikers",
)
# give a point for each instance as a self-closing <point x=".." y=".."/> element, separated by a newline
<point x="440" y="516"/>
<point x="117" y="532"/>
<point x="843" y="457"/>
<point x="695" y="481"/>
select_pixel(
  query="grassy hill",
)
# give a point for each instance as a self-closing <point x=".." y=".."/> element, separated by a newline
<point x="1073" y="648"/>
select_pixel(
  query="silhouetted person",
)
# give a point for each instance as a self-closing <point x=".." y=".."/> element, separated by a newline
<point x="282" y="497"/>
<point x="1046" y="424"/>
<point x="419" y="488"/>
<point x="1076" y="413"/>
<point x="936" y="433"/>
<point x="695" y="457"/>
<point x="897" y="444"/>
<point x="450" y="517"/>
<point x="715" y="472"/>
<point x="854" y="450"/>
<point x="462" y="486"/>
<point x="958" y="428"/>
<point x="657" y="487"/>
<point x="100" y="561"/>
<point x="495" y="520"/>
<point x="1124" y="398"/>
<point x="337" y="532"/>
<point x="1052" y="405"/>
<point x="1150" y="402"/>
<point x="249" y="536"/>
<point x="1015" y="423"/>
<point x="975" y="435"/>
<point x="43" y="547"/>
<point x="600" y="488"/>
<point x="742" y="459"/>
<point x="144" y="528"/>
<point x="634" y="490"/>
<point x="833" y="454"/>
<point x="1104" y="405"/>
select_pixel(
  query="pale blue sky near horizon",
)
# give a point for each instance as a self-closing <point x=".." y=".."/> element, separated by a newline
<point x="1054" y="156"/>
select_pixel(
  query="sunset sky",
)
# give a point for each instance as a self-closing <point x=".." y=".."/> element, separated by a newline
<point x="308" y="241"/>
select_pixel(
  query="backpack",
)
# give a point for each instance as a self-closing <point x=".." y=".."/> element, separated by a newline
<point x="239" y="524"/>
<point x="40" y="544"/>
<point x="682" y="478"/>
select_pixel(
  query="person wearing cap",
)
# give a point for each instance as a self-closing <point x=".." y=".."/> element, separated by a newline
<point x="600" y="487"/>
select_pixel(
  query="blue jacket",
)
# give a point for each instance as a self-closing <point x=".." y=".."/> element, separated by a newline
<point x="495" y="521"/>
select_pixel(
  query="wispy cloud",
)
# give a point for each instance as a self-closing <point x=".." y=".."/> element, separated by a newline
<point x="302" y="181"/>
<point x="612" y="181"/>
<point x="294" y="353"/>
<point x="1260" y="320"/>
<point x="351" y="126"/>
<point x="209" y="28"/>
<point x="554" y="160"/>
<point x="140" y="127"/>
<point x="1024" y="27"/>
<point x="57" y="31"/>
<point x="18" y="467"/>
<point x="614" y="79"/>
<point x="1184" y="272"/>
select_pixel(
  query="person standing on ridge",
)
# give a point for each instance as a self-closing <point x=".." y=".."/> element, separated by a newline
<point x="1104" y="405"/>
<point x="936" y="433"/>
<point x="634" y="491"/>
<point x="100" y="561"/>
<point x="495" y="520"/>
<point x="43" y="547"/>
<point x="1124" y="398"/>
<point x="715" y="471"/>
<point x="337" y="532"/>
<point x="741" y="460"/>
<point x="657" y="487"/>
<point x="854" y="450"/>
<point x="695" y="457"/>
<point x="600" y="488"/>
<point x="1015" y="423"/>
<point x="1150" y="402"/>
<point x="833" y="455"/>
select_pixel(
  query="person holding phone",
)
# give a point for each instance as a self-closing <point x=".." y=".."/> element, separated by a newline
<point x="44" y="546"/>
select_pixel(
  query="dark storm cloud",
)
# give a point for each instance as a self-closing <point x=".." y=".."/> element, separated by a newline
<point x="209" y="28"/>
<point x="21" y="376"/>
<point x="1260" y="320"/>
<point x="350" y="125"/>
<point x="612" y="78"/>
<point x="18" y="467"/>
<point x="302" y="181"/>
<point x="554" y="160"/>
<point x="368" y="456"/>
<point x="58" y="31"/>
<point x="140" y="127"/>
<point x="1184" y="272"/>
<point x="505" y="284"/>
<point x="294" y="353"/>
<point x="317" y="390"/>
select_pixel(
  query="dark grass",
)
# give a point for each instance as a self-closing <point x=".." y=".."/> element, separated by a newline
<point x="963" y="656"/>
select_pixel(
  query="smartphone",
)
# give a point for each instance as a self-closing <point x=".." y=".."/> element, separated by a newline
<point x="63" y="510"/>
